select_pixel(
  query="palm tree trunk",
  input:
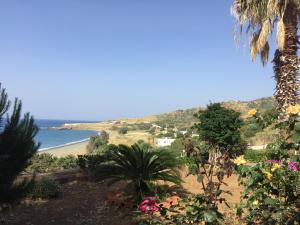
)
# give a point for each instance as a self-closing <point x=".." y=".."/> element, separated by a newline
<point x="286" y="64"/>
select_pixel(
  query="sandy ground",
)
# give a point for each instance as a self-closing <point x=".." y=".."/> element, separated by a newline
<point x="74" y="149"/>
<point x="114" y="138"/>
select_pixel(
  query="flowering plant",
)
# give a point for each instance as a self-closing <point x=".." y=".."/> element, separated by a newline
<point x="148" y="205"/>
<point x="271" y="192"/>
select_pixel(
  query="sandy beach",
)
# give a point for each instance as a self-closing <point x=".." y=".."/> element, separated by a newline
<point x="74" y="149"/>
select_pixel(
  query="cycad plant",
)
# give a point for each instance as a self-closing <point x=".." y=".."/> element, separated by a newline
<point x="261" y="17"/>
<point x="141" y="167"/>
<point x="17" y="146"/>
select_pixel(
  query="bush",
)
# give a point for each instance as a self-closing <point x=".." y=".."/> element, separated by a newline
<point x="91" y="162"/>
<point x="277" y="150"/>
<point x="97" y="141"/>
<point x="251" y="129"/>
<point x="255" y="156"/>
<point x="123" y="130"/>
<point x="45" y="162"/>
<point x="68" y="162"/>
<point x="271" y="192"/>
<point x="141" y="167"/>
<point x="45" y="188"/>
<point x="220" y="128"/>
<point x="177" y="147"/>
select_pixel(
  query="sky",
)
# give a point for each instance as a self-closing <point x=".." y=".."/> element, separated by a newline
<point x="106" y="59"/>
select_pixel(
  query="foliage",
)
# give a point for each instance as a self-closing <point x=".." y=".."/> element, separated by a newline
<point x="102" y="149"/>
<point x="98" y="141"/>
<point x="140" y="126"/>
<point x="180" y="119"/>
<point x="272" y="188"/>
<point x="177" y="147"/>
<point x="141" y="167"/>
<point x="260" y="19"/>
<point x="277" y="150"/>
<point x="17" y="146"/>
<point x="196" y="153"/>
<point x="45" y="188"/>
<point x="271" y="192"/>
<point x="123" y="130"/>
<point x="250" y="129"/>
<point x="296" y="133"/>
<point x="91" y="162"/>
<point x="255" y="156"/>
<point x="210" y="161"/>
<point x="45" y="162"/>
<point x="220" y="128"/>
<point x="143" y="145"/>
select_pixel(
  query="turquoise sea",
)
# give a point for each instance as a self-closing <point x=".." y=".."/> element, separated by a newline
<point x="50" y="137"/>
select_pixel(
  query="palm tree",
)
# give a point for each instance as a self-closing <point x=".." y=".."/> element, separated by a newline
<point x="141" y="167"/>
<point x="260" y="17"/>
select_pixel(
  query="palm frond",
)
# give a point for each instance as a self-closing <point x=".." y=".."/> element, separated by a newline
<point x="263" y="35"/>
<point x="264" y="54"/>
<point x="253" y="46"/>
<point x="280" y="37"/>
<point x="141" y="167"/>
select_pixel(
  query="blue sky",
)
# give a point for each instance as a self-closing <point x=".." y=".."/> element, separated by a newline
<point x="104" y="59"/>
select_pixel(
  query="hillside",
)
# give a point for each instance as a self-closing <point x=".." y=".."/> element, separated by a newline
<point x="143" y="128"/>
<point x="182" y="118"/>
<point x="185" y="118"/>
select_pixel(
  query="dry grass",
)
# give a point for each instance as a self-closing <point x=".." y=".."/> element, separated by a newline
<point x="130" y="138"/>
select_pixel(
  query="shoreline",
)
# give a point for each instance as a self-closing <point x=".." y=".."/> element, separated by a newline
<point x="76" y="148"/>
<point x="63" y="145"/>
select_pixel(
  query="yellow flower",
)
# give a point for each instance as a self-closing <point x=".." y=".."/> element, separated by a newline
<point x="268" y="175"/>
<point x="275" y="167"/>
<point x="239" y="160"/>
<point x="255" y="202"/>
<point x="251" y="112"/>
<point x="293" y="109"/>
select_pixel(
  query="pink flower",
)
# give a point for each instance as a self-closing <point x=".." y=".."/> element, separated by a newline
<point x="272" y="161"/>
<point x="148" y="205"/>
<point x="293" y="166"/>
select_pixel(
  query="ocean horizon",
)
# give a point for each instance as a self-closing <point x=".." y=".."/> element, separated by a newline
<point x="50" y="137"/>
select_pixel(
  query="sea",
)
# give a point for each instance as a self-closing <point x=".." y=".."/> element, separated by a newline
<point x="49" y="136"/>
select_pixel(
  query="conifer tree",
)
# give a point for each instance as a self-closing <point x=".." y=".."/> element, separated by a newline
<point x="17" y="146"/>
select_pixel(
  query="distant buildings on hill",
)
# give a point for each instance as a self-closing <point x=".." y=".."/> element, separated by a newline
<point x="163" y="142"/>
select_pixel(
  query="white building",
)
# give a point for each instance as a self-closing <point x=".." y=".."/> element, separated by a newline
<point x="163" y="142"/>
<point x="156" y="126"/>
<point x="183" y="132"/>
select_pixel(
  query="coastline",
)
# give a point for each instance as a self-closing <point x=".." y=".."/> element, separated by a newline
<point x="76" y="148"/>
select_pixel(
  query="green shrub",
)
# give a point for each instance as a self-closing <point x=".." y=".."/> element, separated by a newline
<point x="123" y="130"/>
<point x="271" y="192"/>
<point x="177" y="147"/>
<point x="91" y="162"/>
<point x="42" y="163"/>
<point x="141" y="167"/>
<point x="220" y="128"/>
<point x="251" y="129"/>
<point x="255" y="156"/>
<point x="277" y="150"/>
<point x="98" y="141"/>
<point x="45" y="188"/>
<point x="68" y="162"/>
<point x="45" y="162"/>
